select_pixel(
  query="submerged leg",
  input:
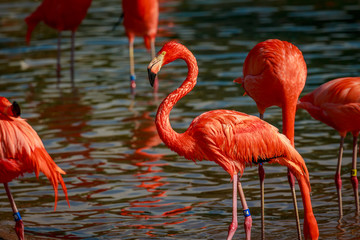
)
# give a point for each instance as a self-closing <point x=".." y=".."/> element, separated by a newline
<point x="246" y="211"/>
<point x="354" y="179"/>
<point x="132" y="65"/>
<point x="234" y="224"/>
<point x="261" y="178"/>
<point x="19" y="226"/>
<point x="338" y="181"/>
<point x="58" y="65"/>
<point x="152" y="45"/>
<point x="72" y="57"/>
<point x="291" y="180"/>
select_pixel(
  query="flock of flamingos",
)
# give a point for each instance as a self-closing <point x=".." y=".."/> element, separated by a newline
<point x="274" y="73"/>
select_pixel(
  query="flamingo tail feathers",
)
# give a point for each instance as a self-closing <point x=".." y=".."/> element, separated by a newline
<point x="47" y="166"/>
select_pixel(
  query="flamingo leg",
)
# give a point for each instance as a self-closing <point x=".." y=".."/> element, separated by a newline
<point x="19" y="225"/>
<point x="354" y="179"/>
<point x="338" y="181"/>
<point x="261" y="178"/>
<point x="234" y="224"/>
<point x="246" y="211"/>
<point x="132" y="65"/>
<point x="72" y="57"/>
<point x="58" y="65"/>
<point x="291" y="180"/>
<point x="152" y="44"/>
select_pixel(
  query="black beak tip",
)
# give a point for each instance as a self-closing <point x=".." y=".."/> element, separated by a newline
<point x="16" y="109"/>
<point x="152" y="77"/>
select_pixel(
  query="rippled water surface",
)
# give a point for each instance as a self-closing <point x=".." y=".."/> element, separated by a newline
<point x="123" y="182"/>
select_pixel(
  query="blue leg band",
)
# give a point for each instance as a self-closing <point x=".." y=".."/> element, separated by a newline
<point x="246" y="212"/>
<point x="17" y="216"/>
<point x="132" y="77"/>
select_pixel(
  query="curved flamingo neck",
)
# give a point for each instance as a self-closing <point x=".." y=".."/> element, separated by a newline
<point x="165" y="131"/>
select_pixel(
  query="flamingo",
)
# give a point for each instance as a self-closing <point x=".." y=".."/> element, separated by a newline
<point x="61" y="15"/>
<point x="231" y="139"/>
<point x="275" y="74"/>
<point x="22" y="151"/>
<point x="140" y="19"/>
<point x="337" y="104"/>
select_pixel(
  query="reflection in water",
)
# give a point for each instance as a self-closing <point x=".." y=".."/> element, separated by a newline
<point x="73" y="114"/>
<point x="149" y="173"/>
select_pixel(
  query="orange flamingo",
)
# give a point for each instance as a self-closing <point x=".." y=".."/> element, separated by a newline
<point x="140" y="19"/>
<point x="61" y="15"/>
<point x="337" y="104"/>
<point x="275" y="74"/>
<point x="231" y="139"/>
<point x="22" y="152"/>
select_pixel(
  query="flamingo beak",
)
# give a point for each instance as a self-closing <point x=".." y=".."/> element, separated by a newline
<point x="155" y="66"/>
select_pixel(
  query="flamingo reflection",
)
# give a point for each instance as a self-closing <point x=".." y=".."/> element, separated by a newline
<point x="145" y="138"/>
<point x="65" y="117"/>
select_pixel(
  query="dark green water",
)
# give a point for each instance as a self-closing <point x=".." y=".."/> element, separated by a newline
<point x="123" y="182"/>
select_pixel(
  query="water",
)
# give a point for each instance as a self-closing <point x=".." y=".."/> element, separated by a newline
<point x="123" y="182"/>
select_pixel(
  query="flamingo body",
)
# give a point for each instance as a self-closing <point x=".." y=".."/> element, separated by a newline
<point x="22" y="151"/>
<point x="60" y="15"/>
<point x="336" y="103"/>
<point x="141" y="19"/>
<point x="231" y="139"/>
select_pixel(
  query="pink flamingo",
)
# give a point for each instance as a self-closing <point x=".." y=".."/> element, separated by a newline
<point x="231" y="139"/>
<point x="275" y="74"/>
<point x="22" y="152"/>
<point x="337" y="104"/>
<point x="140" y="19"/>
<point x="64" y="15"/>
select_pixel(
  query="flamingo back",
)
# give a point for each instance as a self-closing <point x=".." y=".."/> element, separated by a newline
<point x="336" y="103"/>
<point x="141" y="18"/>
<point x="274" y="73"/>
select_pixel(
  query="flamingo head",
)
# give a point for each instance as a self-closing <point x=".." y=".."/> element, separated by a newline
<point x="155" y="66"/>
<point x="311" y="230"/>
<point x="8" y="109"/>
<point x="169" y="52"/>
